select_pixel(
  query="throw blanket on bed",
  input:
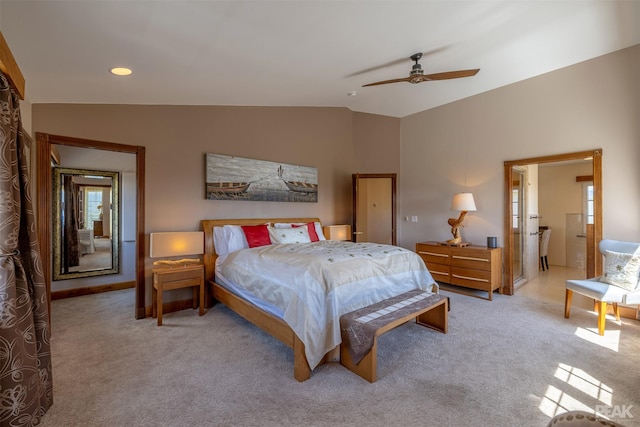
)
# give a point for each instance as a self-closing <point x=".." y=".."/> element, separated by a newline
<point x="313" y="284"/>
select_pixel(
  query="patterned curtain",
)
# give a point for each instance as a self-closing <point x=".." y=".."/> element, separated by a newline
<point x="26" y="389"/>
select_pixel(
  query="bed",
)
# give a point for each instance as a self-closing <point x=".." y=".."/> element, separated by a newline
<point x="309" y="324"/>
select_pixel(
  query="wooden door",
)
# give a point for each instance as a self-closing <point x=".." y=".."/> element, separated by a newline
<point x="374" y="208"/>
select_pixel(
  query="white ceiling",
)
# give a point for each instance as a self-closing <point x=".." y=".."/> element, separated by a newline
<point x="300" y="53"/>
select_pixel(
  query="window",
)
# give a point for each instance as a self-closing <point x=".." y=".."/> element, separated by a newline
<point x="92" y="205"/>
<point x="587" y="204"/>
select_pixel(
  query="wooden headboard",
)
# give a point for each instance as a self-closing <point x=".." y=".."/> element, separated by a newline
<point x="210" y="255"/>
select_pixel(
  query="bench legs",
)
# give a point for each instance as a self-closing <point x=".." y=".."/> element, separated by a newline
<point x="435" y="318"/>
<point x="367" y="367"/>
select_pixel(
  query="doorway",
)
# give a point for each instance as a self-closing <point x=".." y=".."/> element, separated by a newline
<point x="595" y="231"/>
<point x="45" y="209"/>
<point x="374" y="208"/>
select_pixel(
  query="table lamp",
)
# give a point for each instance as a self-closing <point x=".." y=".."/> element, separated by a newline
<point x="464" y="203"/>
<point x="337" y="232"/>
<point x="176" y="244"/>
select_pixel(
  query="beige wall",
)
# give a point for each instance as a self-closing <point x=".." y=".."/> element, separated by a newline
<point x="462" y="146"/>
<point x="376" y="143"/>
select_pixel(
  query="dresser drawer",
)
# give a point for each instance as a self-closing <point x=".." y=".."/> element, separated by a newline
<point x="470" y="278"/>
<point x="434" y="254"/>
<point x="473" y="259"/>
<point x="440" y="272"/>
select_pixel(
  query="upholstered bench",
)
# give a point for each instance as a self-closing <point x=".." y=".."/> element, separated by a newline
<point x="361" y="328"/>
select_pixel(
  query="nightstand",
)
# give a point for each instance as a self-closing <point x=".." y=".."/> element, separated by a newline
<point x="166" y="279"/>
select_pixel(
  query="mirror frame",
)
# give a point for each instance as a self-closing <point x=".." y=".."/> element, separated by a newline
<point x="58" y="173"/>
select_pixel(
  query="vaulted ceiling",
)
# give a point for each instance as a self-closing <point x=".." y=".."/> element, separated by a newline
<point x="301" y="53"/>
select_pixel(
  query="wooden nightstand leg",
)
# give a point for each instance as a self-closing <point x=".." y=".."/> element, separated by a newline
<point x="159" y="303"/>
<point x="194" y="301"/>
<point x="201" y="299"/>
<point x="154" y="302"/>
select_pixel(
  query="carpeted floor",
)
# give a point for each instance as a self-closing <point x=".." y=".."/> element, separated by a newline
<point x="511" y="362"/>
<point x="98" y="260"/>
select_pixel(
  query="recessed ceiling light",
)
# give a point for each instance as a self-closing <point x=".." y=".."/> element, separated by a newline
<point x="352" y="93"/>
<point x="121" y="71"/>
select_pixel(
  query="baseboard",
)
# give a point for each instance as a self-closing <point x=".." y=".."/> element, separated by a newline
<point x="170" y="307"/>
<point x="89" y="290"/>
<point x="629" y="312"/>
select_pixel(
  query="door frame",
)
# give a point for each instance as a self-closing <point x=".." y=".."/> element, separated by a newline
<point x="355" y="177"/>
<point x="596" y="156"/>
<point x="45" y="200"/>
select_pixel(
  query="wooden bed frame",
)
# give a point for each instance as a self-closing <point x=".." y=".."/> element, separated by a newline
<point x="265" y="321"/>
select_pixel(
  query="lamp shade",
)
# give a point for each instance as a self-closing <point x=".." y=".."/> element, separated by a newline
<point x="463" y="202"/>
<point x="176" y="244"/>
<point x="337" y="232"/>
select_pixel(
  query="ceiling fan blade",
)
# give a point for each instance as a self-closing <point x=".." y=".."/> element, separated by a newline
<point x="451" y="75"/>
<point x="398" y="61"/>
<point x="384" y="82"/>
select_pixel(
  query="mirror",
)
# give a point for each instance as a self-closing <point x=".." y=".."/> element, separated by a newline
<point x="85" y="223"/>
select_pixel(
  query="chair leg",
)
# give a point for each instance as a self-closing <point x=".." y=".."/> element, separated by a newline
<point x="602" y="313"/>
<point x="567" y="302"/>
<point x="542" y="262"/>
<point x="546" y="261"/>
<point x="616" y="311"/>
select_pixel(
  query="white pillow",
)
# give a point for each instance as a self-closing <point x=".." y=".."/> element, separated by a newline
<point x="319" y="231"/>
<point x="621" y="269"/>
<point x="229" y="238"/>
<point x="220" y="241"/>
<point x="289" y="235"/>
<point x="316" y="225"/>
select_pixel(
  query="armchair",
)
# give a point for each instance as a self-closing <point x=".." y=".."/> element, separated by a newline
<point x="606" y="293"/>
<point x="85" y="242"/>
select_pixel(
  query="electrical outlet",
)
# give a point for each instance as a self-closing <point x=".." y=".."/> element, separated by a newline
<point x="414" y="218"/>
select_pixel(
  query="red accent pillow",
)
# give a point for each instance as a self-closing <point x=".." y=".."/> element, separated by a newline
<point x="257" y="235"/>
<point x="312" y="230"/>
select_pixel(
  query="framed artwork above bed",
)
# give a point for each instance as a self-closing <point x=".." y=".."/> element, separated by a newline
<point x="239" y="178"/>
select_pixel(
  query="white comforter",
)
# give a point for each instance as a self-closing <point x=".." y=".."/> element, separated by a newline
<point x="313" y="284"/>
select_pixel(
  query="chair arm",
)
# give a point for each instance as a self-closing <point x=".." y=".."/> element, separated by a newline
<point x="632" y="297"/>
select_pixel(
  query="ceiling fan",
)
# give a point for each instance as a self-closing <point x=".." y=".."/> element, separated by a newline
<point x="417" y="75"/>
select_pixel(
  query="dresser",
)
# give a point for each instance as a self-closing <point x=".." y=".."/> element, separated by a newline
<point x="97" y="228"/>
<point x="475" y="267"/>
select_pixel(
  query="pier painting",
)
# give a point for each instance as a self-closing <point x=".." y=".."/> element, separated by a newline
<point x="239" y="178"/>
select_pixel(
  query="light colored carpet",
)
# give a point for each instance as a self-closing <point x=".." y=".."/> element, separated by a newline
<point x="511" y="362"/>
<point x="98" y="260"/>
